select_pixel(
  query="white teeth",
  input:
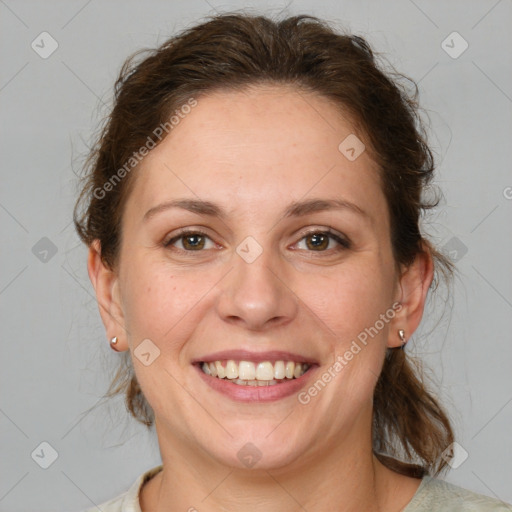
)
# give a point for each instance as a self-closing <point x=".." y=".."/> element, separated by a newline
<point x="248" y="373"/>
<point x="254" y="382"/>
<point x="290" y="366"/>
<point x="220" y="370"/>
<point x="231" y="370"/>
<point x="265" y="371"/>
<point x="246" y="370"/>
<point x="279" y="372"/>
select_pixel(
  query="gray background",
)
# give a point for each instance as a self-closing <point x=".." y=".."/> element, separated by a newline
<point x="55" y="360"/>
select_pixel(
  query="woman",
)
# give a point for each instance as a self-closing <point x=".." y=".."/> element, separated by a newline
<point x="251" y="212"/>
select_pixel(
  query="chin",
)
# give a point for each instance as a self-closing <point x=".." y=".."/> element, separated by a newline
<point x="264" y="447"/>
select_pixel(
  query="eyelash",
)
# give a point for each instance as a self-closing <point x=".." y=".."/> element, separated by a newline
<point x="343" y="243"/>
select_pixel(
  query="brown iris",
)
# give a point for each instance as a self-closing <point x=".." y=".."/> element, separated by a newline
<point x="320" y="240"/>
<point x="197" y="241"/>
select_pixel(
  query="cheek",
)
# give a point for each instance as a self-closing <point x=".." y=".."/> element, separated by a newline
<point x="158" y="301"/>
<point x="351" y="299"/>
<point x="350" y="305"/>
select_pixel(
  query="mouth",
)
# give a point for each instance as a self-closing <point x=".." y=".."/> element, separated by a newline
<point x="254" y="373"/>
<point x="246" y="376"/>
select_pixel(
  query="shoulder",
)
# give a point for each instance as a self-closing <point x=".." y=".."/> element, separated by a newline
<point x="434" y="495"/>
<point x="127" y="501"/>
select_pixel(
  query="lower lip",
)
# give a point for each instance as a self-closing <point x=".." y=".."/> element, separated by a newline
<point x="243" y="393"/>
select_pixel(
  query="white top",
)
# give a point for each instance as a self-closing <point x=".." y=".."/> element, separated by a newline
<point x="432" y="495"/>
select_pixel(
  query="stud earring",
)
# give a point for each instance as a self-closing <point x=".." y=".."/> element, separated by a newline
<point x="113" y="343"/>
<point x="401" y="334"/>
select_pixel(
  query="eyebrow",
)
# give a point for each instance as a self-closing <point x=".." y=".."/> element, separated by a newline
<point x="295" y="209"/>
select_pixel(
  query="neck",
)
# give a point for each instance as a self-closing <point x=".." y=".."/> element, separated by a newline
<point x="346" y="479"/>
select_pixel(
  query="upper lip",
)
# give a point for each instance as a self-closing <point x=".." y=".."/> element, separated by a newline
<point x="247" y="355"/>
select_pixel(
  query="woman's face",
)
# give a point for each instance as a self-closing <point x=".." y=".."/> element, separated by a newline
<point x="259" y="174"/>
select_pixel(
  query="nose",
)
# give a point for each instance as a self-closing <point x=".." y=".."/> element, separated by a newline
<point x="257" y="295"/>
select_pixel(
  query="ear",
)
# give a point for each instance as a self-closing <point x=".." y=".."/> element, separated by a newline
<point x="414" y="284"/>
<point x="106" y="286"/>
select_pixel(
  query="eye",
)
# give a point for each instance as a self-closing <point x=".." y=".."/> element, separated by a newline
<point x="320" y="241"/>
<point x="190" y="241"/>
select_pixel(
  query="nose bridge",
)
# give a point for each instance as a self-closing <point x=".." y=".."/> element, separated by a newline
<point x="254" y="293"/>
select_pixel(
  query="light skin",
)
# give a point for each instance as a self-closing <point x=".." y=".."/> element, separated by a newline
<point x="253" y="153"/>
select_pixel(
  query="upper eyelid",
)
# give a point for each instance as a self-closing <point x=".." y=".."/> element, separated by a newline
<point x="328" y="231"/>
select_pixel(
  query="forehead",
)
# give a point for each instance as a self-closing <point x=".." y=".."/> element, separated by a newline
<point x="258" y="146"/>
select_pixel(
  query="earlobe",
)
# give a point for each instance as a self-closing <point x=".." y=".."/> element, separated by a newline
<point x="414" y="284"/>
<point x="105" y="283"/>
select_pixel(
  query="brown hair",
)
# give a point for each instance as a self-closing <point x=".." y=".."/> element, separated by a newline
<point x="233" y="51"/>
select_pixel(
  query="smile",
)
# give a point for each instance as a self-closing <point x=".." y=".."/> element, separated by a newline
<point x="249" y="373"/>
